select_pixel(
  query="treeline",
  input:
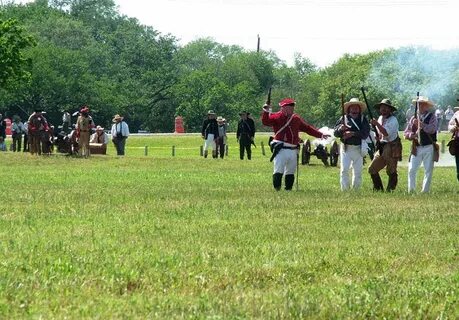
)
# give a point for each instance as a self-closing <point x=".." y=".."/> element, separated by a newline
<point x="84" y="52"/>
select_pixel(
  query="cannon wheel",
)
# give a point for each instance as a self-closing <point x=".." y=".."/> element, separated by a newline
<point x="306" y="153"/>
<point x="325" y="157"/>
<point x="334" y="154"/>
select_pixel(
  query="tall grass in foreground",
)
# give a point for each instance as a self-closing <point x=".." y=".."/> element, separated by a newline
<point x="187" y="237"/>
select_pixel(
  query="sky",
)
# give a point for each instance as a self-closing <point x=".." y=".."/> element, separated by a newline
<point x="321" y="30"/>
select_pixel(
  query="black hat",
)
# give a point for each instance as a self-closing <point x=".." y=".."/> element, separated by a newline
<point x="386" y="102"/>
<point x="244" y="112"/>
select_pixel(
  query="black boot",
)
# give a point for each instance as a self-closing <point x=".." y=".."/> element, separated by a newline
<point x="377" y="182"/>
<point x="289" y="180"/>
<point x="277" y="181"/>
<point x="392" y="183"/>
<point x="206" y="153"/>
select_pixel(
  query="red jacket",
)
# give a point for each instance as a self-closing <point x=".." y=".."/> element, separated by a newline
<point x="291" y="133"/>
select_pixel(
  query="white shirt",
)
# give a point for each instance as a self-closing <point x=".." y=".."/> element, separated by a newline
<point x="120" y="127"/>
<point x="94" y="137"/>
<point x="391" y="126"/>
<point x="18" y="127"/>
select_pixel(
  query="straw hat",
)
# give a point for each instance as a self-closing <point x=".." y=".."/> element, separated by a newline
<point x="117" y="118"/>
<point x="99" y="128"/>
<point x="220" y="119"/>
<point x="355" y="101"/>
<point x="210" y="112"/>
<point x="423" y="100"/>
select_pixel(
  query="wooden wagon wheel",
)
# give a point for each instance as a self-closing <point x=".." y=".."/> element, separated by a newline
<point x="306" y="152"/>
<point x="334" y="154"/>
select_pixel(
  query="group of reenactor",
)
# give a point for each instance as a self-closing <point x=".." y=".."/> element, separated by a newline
<point x="354" y="130"/>
<point x="39" y="135"/>
<point x="214" y="129"/>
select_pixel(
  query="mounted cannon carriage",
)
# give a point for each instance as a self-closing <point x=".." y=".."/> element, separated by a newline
<point x="325" y="150"/>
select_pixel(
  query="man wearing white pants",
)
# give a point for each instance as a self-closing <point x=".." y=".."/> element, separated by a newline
<point x="422" y="130"/>
<point x="286" y="125"/>
<point x="352" y="128"/>
<point x="209" y="133"/>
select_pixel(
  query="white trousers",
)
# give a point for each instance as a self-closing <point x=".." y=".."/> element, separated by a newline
<point x="424" y="156"/>
<point x="285" y="161"/>
<point x="351" y="157"/>
<point x="210" y="142"/>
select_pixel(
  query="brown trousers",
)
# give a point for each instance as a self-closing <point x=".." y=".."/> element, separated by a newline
<point x="83" y="143"/>
<point x="35" y="143"/>
<point x="388" y="159"/>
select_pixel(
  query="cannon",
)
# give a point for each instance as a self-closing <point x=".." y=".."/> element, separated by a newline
<point x="325" y="150"/>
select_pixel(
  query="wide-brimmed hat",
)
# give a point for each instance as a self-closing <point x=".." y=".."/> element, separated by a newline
<point x="386" y="102"/>
<point x="117" y="117"/>
<point x="357" y="102"/>
<point x="210" y="112"/>
<point x="424" y="100"/>
<point x="220" y="119"/>
<point x="287" y="102"/>
<point x="244" y="112"/>
<point x="98" y="128"/>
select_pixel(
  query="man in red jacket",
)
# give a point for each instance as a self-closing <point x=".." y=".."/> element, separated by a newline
<point x="286" y="125"/>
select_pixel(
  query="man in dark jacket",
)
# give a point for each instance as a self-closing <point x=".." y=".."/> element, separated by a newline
<point x="245" y="134"/>
<point x="353" y="129"/>
<point x="2" y="133"/>
<point x="209" y="133"/>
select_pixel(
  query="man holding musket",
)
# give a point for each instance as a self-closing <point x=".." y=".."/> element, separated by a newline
<point x="286" y="125"/>
<point x="422" y="129"/>
<point x="353" y="129"/>
<point x="390" y="147"/>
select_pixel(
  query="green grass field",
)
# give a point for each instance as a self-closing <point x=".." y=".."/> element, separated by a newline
<point x="186" y="237"/>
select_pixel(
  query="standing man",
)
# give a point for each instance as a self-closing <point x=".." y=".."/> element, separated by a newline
<point x="422" y="130"/>
<point x="245" y="134"/>
<point x="439" y="115"/>
<point x="83" y="126"/>
<point x="120" y="132"/>
<point x="17" y="129"/>
<point x="37" y="125"/>
<point x="389" y="149"/>
<point x="286" y="125"/>
<point x="449" y="113"/>
<point x="453" y="127"/>
<point x="66" y="121"/>
<point x="352" y="128"/>
<point x="209" y="133"/>
<point x="222" y="139"/>
<point x="2" y="133"/>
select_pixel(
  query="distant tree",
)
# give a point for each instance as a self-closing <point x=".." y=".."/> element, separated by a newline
<point x="13" y="63"/>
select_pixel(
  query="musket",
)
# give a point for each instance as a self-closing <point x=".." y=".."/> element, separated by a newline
<point x="414" y="143"/>
<point x="376" y="145"/>
<point x="268" y="100"/>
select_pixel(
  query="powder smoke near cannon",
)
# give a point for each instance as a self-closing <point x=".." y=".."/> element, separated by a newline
<point x="321" y="149"/>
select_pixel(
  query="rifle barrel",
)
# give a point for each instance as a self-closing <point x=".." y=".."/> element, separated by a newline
<point x="369" y="109"/>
